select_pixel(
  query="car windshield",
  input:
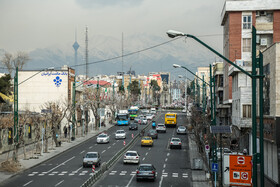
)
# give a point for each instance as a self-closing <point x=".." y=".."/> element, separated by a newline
<point x="181" y="127"/>
<point x="147" y="138"/>
<point x="133" y="124"/>
<point x="91" y="155"/>
<point x="170" y="116"/>
<point x="145" y="168"/>
<point x="175" y="140"/>
<point x="131" y="154"/>
<point x="120" y="132"/>
<point x="102" y="135"/>
<point x="160" y="125"/>
<point x="152" y="131"/>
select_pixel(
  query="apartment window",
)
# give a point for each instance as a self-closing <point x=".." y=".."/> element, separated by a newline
<point x="247" y="22"/>
<point x="247" y="44"/>
<point x="247" y="111"/>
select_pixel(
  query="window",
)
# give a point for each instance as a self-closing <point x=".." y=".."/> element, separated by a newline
<point x="247" y="111"/>
<point x="247" y="22"/>
<point x="246" y="44"/>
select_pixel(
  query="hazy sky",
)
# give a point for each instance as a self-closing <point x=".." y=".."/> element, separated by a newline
<point x="30" y="24"/>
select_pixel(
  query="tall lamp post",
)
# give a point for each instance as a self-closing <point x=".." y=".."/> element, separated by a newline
<point x="256" y="63"/>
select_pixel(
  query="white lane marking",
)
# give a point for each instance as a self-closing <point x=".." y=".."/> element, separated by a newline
<point x="143" y="158"/>
<point x="30" y="175"/>
<point x="103" y="151"/>
<point x="163" y="171"/>
<point x="113" y="171"/>
<point x="185" y="175"/>
<point x="114" y="143"/>
<point x="51" y="174"/>
<point x="76" y="171"/>
<point x="27" y="183"/>
<point x="128" y="184"/>
<point x="82" y="174"/>
<point x="174" y="174"/>
<point x="164" y="165"/>
<point x="82" y="152"/>
<point x="160" y="182"/>
<point x="35" y="172"/>
<point x="41" y="174"/>
<point x="146" y="153"/>
<point x="109" y="147"/>
<point x="61" y="164"/>
<point x="90" y="147"/>
<point x="149" y="149"/>
<point x="167" y="147"/>
<point x="123" y="172"/>
<point x="133" y="172"/>
<point x="84" y="171"/>
<point x="168" y="154"/>
<point x="59" y="183"/>
<point x="61" y="174"/>
<point x="71" y="174"/>
<point x="166" y="159"/>
<point x="55" y="172"/>
<point x="64" y="172"/>
<point x="45" y="172"/>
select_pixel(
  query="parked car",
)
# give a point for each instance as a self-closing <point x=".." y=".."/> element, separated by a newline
<point x="181" y="130"/>
<point x="161" y="128"/>
<point x="103" y="138"/>
<point x="131" y="157"/>
<point x="175" y="143"/>
<point x="146" y="171"/>
<point x="133" y="126"/>
<point x="152" y="133"/>
<point x="120" y="134"/>
<point x="92" y="158"/>
<point x="146" y="140"/>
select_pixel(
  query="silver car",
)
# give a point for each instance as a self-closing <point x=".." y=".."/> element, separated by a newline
<point x="131" y="157"/>
<point x="92" y="158"/>
<point x="120" y="134"/>
<point x="146" y="171"/>
<point x="161" y="128"/>
<point x="182" y="130"/>
<point x="103" y="138"/>
<point x="175" y="143"/>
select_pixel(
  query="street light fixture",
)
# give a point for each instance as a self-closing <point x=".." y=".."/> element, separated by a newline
<point x="176" y="66"/>
<point x="173" y="34"/>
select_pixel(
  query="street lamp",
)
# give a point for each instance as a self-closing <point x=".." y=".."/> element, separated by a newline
<point x="176" y="66"/>
<point x="256" y="63"/>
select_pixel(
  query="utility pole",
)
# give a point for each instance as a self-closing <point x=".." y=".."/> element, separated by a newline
<point x="74" y="108"/>
<point x="16" y="107"/>
<point x="86" y="52"/>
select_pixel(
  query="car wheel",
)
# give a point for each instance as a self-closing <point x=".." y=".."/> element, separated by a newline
<point x="84" y="166"/>
<point x="137" y="179"/>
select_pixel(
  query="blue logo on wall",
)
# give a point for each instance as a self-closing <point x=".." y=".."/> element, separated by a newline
<point x="57" y="81"/>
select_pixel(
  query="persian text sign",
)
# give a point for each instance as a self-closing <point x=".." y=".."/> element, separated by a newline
<point x="240" y="170"/>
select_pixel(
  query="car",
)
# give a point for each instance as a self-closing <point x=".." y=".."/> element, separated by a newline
<point x="146" y="140"/>
<point x="153" y="111"/>
<point x="146" y="171"/>
<point x="133" y="126"/>
<point x="120" y="134"/>
<point x="181" y="130"/>
<point x="184" y="110"/>
<point x="137" y="120"/>
<point x="131" y="157"/>
<point x="161" y="128"/>
<point x="103" y="138"/>
<point x="175" y="143"/>
<point x="92" y="158"/>
<point x="152" y="133"/>
<point x="143" y="120"/>
<point x="144" y="111"/>
<point x="149" y="116"/>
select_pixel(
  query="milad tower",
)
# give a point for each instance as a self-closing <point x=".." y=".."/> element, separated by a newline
<point x="76" y="47"/>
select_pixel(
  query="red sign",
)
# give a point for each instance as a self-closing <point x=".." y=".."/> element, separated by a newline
<point x="132" y="135"/>
<point x="240" y="170"/>
<point x="93" y="168"/>
<point x="123" y="142"/>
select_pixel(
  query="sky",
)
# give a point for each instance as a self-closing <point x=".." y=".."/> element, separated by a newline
<point x="30" y="24"/>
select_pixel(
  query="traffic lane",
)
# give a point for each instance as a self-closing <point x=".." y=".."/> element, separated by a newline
<point x="57" y="164"/>
<point x="124" y="175"/>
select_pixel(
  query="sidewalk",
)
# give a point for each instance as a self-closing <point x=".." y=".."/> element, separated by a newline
<point x="29" y="163"/>
<point x="198" y="176"/>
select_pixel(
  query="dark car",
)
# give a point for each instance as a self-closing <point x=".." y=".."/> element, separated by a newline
<point x="152" y="133"/>
<point x="146" y="171"/>
<point x="137" y="120"/>
<point x="133" y="126"/>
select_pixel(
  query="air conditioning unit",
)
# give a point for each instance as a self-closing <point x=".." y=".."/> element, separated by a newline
<point x="263" y="13"/>
<point x="258" y="39"/>
<point x="258" y="13"/>
<point x="263" y="41"/>
<point x="239" y="62"/>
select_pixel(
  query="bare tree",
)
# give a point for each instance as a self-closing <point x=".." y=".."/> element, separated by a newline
<point x="11" y="61"/>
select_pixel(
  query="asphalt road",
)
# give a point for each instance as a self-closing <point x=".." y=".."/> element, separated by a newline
<point x="66" y="169"/>
<point x="173" y="166"/>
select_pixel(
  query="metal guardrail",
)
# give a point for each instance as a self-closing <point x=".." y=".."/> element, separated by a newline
<point x="106" y="165"/>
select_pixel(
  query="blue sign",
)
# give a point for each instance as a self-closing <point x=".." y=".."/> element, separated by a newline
<point x="214" y="167"/>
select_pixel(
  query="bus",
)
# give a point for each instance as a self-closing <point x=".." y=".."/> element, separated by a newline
<point x="132" y="113"/>
<point x="122" y="119"/>
<point x="170" y="120"/>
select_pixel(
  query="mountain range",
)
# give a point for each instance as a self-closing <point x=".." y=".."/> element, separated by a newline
<point x="147" y="54"/>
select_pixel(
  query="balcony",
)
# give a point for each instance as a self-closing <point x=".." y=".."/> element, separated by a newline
<point x="233" y="71"/>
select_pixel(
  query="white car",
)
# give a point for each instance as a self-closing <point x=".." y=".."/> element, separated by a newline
<point x="149" y="116"/>
<point x="120" y="134"/>
<point x="182" y="130"/>
<point x="103" y="138"/>
<point x="161" y="128"/>
<point x="131" y="157"/>
<point x="144" y="120"/>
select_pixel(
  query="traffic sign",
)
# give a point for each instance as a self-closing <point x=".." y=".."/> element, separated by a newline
<point x="123" y="142"/>
<point x="214" y="167"/>
<point x="240" y="160"/>
<point x="207" y="148"/>
<point x="93" y="168"/>
<point x="132" y="135"/>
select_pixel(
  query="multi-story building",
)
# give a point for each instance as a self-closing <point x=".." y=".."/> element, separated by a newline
<point x="175" y="91"/>
<point x="204" y="74"/>
<point x="237" y="19"/>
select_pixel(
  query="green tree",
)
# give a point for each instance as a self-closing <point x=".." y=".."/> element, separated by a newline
<point x="155" y="90"/>
<point x="135" y="89"/>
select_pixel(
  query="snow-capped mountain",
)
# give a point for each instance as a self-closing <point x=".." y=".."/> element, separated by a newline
<point x="146" y="55"/>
